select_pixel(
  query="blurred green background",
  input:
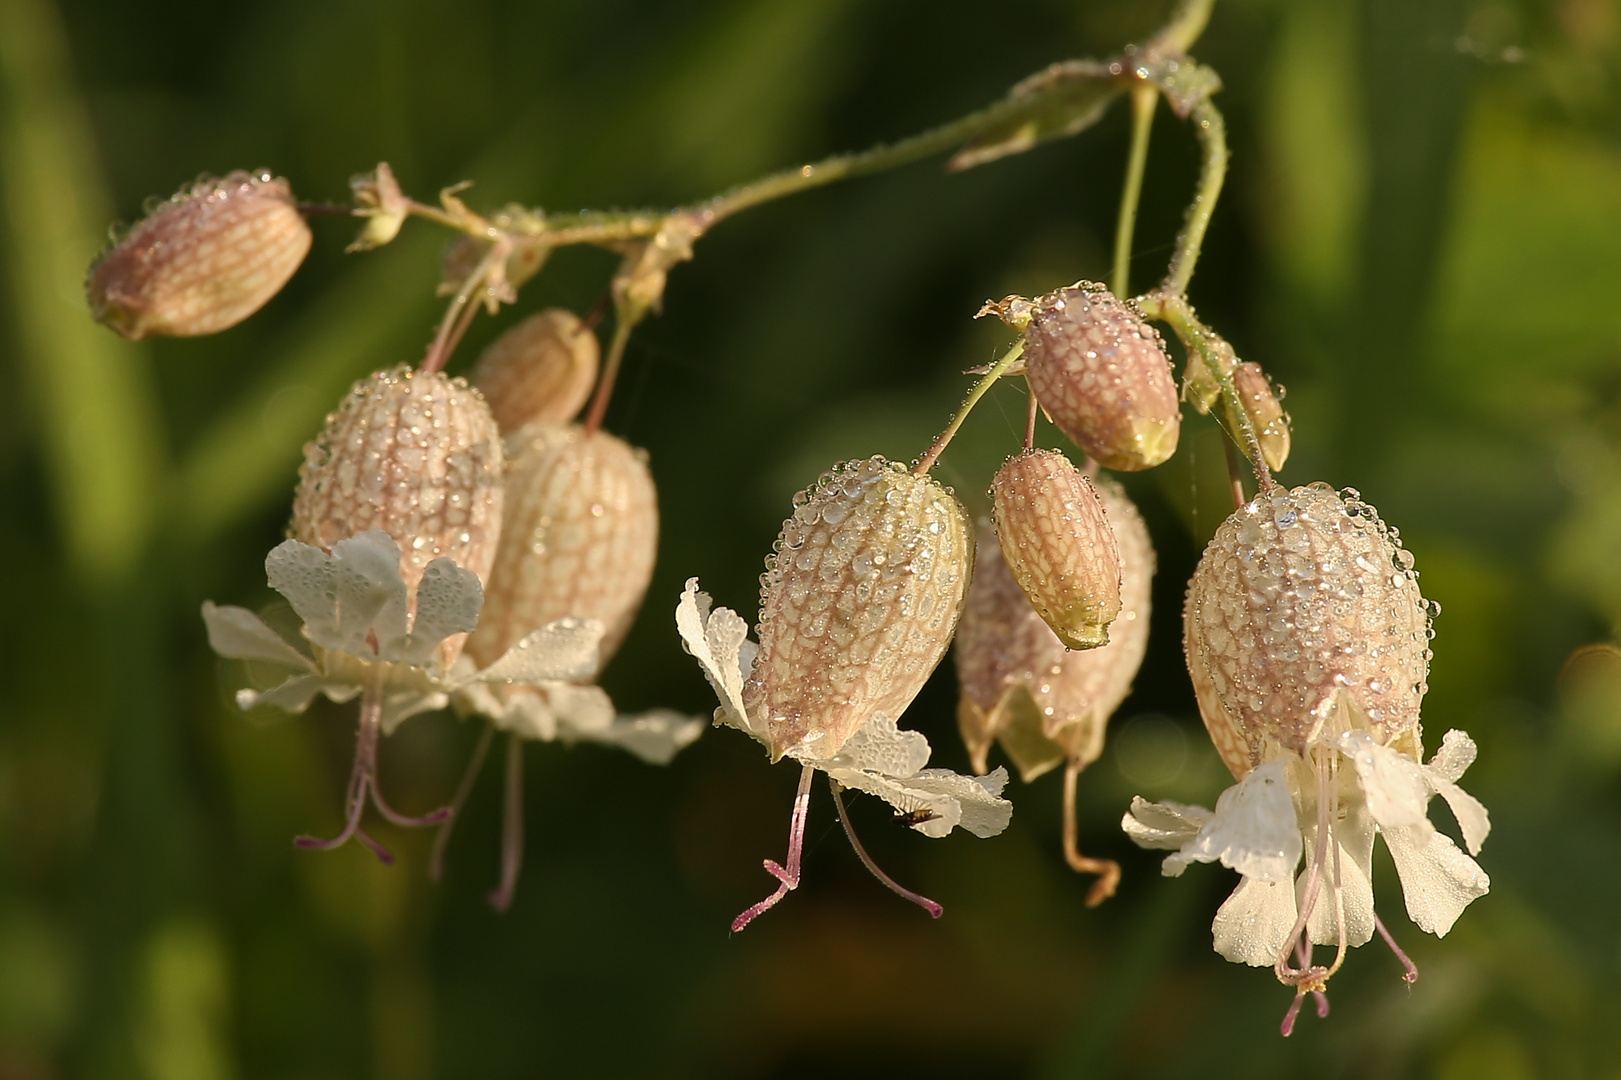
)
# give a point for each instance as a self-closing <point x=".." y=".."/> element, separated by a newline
<point x="1421" y="237"/>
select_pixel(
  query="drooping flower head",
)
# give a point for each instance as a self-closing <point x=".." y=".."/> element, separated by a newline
<point x="1044" y="703"/>
<point x="203" y="260"/>
<point x="579" y="539"/>
<point x="1308" y="644"/>
<point x="541" y="369"/>
<point x="1100" y="372"/>
<point x="857" y="606"/>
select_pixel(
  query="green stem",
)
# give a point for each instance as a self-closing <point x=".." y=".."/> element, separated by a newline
<point x="1176" y="313"/>
<point x="930" y="456"/>
<point x="610" y="371"/>
<point x="1144" y="99"/>
<point x="1186" y="24"/>
<point x="1212" y="132"/>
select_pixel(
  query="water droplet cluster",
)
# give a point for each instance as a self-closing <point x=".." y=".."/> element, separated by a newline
<point x="1102" y="375"/>
<point x="1004" y="645"/>
<point x="415" y="455"/>
<point x="579" y="537"/>
<point x="202" y="261"/>
<point x="541" y="369"/>
<point x="1265" y="410"/>
<point x="858" y="602"/>
<point x="1057" y="542"/>
<point x="1300" y="594"/>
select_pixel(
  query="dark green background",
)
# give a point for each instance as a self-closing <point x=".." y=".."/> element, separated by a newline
<point x="1421" y="237"/>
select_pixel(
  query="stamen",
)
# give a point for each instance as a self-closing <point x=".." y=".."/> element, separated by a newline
<point x="934" y="909"/>
<point x="1108" y="870"/>
<point x="1411" y="975"/>
<point x="432" y="817"/>
<point x="1299" y="977"/>
<point x="436" y="862"/>
<point x="1288" y="1025"/>
<point x="789" y="876"/>
<point x="360" y="776"/>
<point x="511" y="827"/>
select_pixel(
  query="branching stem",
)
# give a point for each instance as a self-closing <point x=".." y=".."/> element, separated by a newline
<point x="1212" y="131"/>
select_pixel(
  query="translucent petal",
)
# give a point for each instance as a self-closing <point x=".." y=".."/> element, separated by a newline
<point x="879" y="746"/>
<point x="448" y="602"/>
<point x="303" y="574"/>
<point x="400" y="705"/>
<point x="1456" y="754"/>
<point x="950" y="798"/>
<point x="561" y="651"/>
<point x="719" y="642"/>
<point x="655" y="736"/>
<point x="294" y="695"/>
<point x="1393" y="783"/>
<point x="1163" y="826"/>
<point x="984" y="811"/>
<point x="582" y="712"/>
<point x="1473" y="820"/>
<point x="1253" y="925"/>
<point x="1437" y="880"/>
<point x="371" y="595"/>
<point x="241" y="635"/>
<point x="1253" y="830"/>
<point x="1354" y="834"/>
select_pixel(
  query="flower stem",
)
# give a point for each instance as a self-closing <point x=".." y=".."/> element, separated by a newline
<point x="1212" y="131"/>
<point x="1186" y="24"/>
<point x="1144" y="99"/>
<point x="932" y="454"/>
<point x="623" y="325"/>
<point x="934" y="909"/>
<point x="1108" y="870"/>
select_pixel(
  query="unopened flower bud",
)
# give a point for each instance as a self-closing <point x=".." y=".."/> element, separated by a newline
<point x="579" y="537"/>
<point x="1101" y="373"/>
<point x="858" y="603"/>
<point x="417" y="456"/>
<point x="1303" y="596"/>
<point x="1058" y="544"/>
<point x="380" y="201"/>
<point x="541" y="369"/>
<point x="1265" y="411"/>
<point x="1020" y="685"/>
<point x="202" y="261"/>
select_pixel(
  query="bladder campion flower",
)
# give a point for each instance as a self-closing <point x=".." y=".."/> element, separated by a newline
<point x="1043" y="703"/>
<point x="541" y="369"/>
<point x="1307" y="641"/>
<point x="1100" y="372"/>
<point x="1056" y="540"/>
<point x="857" y="606"/>
<point x="578" y="542"/>
<point x="202" y="261"/>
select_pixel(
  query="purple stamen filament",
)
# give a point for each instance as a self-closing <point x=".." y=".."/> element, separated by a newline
<point x="511" y="827"/>
<point x="890" y="883"/>
<point x="789" y="875"/>
<point x="363" y="780"/>
<point x="1410" y="976"/>
<point x="436" y="863"/>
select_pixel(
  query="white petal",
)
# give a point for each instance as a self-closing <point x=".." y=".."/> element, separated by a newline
<point x="303" y="574"/>
<point x="655" y="736"/>
<point x="294" y="695"/>
<point x="879" y="746"/>
<point x="1354" y="835"/>
<point x="1253" y="925"/>
<point x="1253" y="830"/>
<point x="950" y="798"/>
<point x="1394" y="783"/>
<point x="1163" y="826"/>
<point x="448" y="602"/>
<point x="523" y="710"/>
<point x="239" y="634"/>
<point x="399" y="706"/>
<point x="1457" y="753"/>
<point x="1437" y="880"/>
<point x="372" y="597"/>
<point x="561" y="651"/>
<point x="720" y="643"/>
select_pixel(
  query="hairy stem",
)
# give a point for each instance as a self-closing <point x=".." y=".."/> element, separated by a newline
<point x="1186" y="24"/>
<point x="1144" y="99"/>
<point x="1212" y="131"/>
<point x="932" y="454"/>
<point x="610" y="371"/>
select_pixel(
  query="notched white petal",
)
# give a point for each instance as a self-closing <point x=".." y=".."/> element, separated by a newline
<point x="1254" y="923"/>
<point x="239" y="634"/>
<point x="1163" y="826"/>
<point x="942" y="800"/>
<point x="1253" y="830"/>
<point x="1393" y="783"/>
<point x="561" y="651"/>
<point x="878" y="746"/>
<point x="1437" y="880"/>
<point x="371" y="596"/>
<point x="719" y="641"/>
<point x="448" y="602"/>
<point x="1457" y="753"/>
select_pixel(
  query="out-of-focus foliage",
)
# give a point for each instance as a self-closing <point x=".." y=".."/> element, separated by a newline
<point x="1421" y="237"/>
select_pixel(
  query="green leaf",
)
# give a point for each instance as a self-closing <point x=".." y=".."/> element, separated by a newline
<point x="1061" y="101"/>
